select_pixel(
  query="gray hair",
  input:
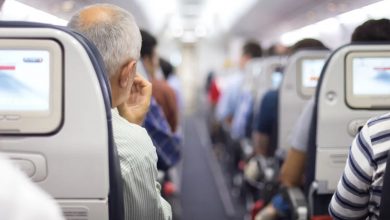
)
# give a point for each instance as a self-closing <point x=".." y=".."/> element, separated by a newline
<point x="118" y="38"/>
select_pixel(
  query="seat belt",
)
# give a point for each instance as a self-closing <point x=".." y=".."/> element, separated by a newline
<point x="384" y="213"/>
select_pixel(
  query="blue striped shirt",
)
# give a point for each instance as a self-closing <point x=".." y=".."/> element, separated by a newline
<point x="359" y="190"/>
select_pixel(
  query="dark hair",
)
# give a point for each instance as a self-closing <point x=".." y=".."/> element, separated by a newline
<point x="372" y="30"/>
<point x="252" y="49"/>
<point x="148" y="44"/>
<point x="166" y="68"/>
<point x="308" y="44"/>
<point x="271" y="51"/>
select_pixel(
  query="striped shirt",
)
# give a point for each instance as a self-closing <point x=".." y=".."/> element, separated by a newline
<point x="359" y="190"/>
<point x="138" y="161"/>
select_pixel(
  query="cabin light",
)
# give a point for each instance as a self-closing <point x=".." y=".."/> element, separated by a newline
<point x="176" y="59"/>
<point x="189" y="37"/>
<point x="14" y="10"/>
<point x="177" y="32"/>
<point x="378" y="10"/>
<point x="328" y="25"/>
<point x="333" y="24"/>
<point x="200" y="31"/>
<point x="67" y="6"/>
<point x="352" y="17"/>
<point x="291" y="37"/>
<point x="160" y="12"/>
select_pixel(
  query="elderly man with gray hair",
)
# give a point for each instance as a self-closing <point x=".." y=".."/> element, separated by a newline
<point x="118" y="39"/>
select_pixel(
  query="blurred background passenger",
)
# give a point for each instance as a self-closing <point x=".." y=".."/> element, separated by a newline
<point x="174" y="82"/>
<point x="168" y="143"/>
<point x="359" y="191"/>
<point x="265" y="127"/>
<point x="162" y="120"/>
<point x="162" y="92"/>
<point x="213" y="91"/>
<point x="293" y="169"/>
<point x="277" y="50"/>
<point x="230" y="96"/>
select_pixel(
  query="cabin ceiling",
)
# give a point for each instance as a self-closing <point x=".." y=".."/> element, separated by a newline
<point x="260" y="19"/>
<point x="277" y="16"/>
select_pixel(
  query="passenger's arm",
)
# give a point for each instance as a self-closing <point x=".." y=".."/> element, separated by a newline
<point x="173" y="112"/>
<point x="168" y="144"/>
<point x="260" y="143"/>
<point x="263" y="123"/>
<point x="293" y="168"/>
<point x="350" y="201"/>
<point x="136" y="107"/>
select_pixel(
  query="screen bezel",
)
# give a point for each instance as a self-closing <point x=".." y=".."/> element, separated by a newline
<point x="303" y="91"/>
<point x="363" y="101"/>
<point x="38" y="122"/>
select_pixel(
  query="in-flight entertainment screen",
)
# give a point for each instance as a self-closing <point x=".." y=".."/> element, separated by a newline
<point x="24" y="80"/>
<point x="371" y="76"/>
<point x="311" y="70"/>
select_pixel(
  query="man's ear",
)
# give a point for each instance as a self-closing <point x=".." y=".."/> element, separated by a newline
<point x="127" y="74"/>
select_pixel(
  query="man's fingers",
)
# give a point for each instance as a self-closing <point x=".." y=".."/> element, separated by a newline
<point x="138" y="79"/>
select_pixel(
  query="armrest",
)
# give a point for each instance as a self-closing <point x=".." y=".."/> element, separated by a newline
<point x="298" y="204"/>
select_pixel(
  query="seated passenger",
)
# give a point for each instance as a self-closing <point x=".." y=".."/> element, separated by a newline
<point x="359" y="191"/>
<point x="293" y="167"/>
<point x="161" y="119"/>
<point x="162" y="92"/>
<point x="276" y="50"/>
<point x="174" y="82"/>
<point x="118" y="39"/>
<point x="20" y="199"/>
<point x="265" y="129"/>
<point x="230" y="96"/>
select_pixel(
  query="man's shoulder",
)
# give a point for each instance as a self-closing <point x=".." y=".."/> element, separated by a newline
<point x="379" y="121"/>
<point x="377" y="130"/>
<point x="132" y="141"/>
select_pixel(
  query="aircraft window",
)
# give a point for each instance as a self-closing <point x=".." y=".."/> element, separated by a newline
<point x="368" y="80"/>
<point x="30" y="86"/>
<point x="309" y="73"/>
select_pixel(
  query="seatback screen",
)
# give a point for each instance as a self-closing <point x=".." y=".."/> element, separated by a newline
<point x="24" y="81"/>
<point x="311" y="70"/>
<point x="371" y="76"/>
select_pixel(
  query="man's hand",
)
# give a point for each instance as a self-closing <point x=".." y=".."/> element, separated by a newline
<point x="136" y="107"/>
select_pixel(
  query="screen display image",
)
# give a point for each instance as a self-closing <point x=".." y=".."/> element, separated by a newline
<point x="311" y="70"/>
<point x="371" y="76"/>
<point x="24" y="80"/>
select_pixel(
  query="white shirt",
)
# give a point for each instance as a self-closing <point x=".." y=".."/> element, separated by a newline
<point x="21" y="199"/>
<point x="230" y="96"/>
<point x="300" y="135"/>
<point x="138" y="161"/>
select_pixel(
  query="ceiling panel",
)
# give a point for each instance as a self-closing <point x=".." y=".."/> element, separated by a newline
<point x="65" y="9"/>
<point x="268" y="18"/>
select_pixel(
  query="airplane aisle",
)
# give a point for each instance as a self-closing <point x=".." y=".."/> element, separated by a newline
<point x="204" y="193"/>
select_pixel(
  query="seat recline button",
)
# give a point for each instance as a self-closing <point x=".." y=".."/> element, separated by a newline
<point x="26" y="166"/>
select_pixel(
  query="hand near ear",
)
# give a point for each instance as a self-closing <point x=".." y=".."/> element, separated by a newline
<point x="136" y="107"/>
